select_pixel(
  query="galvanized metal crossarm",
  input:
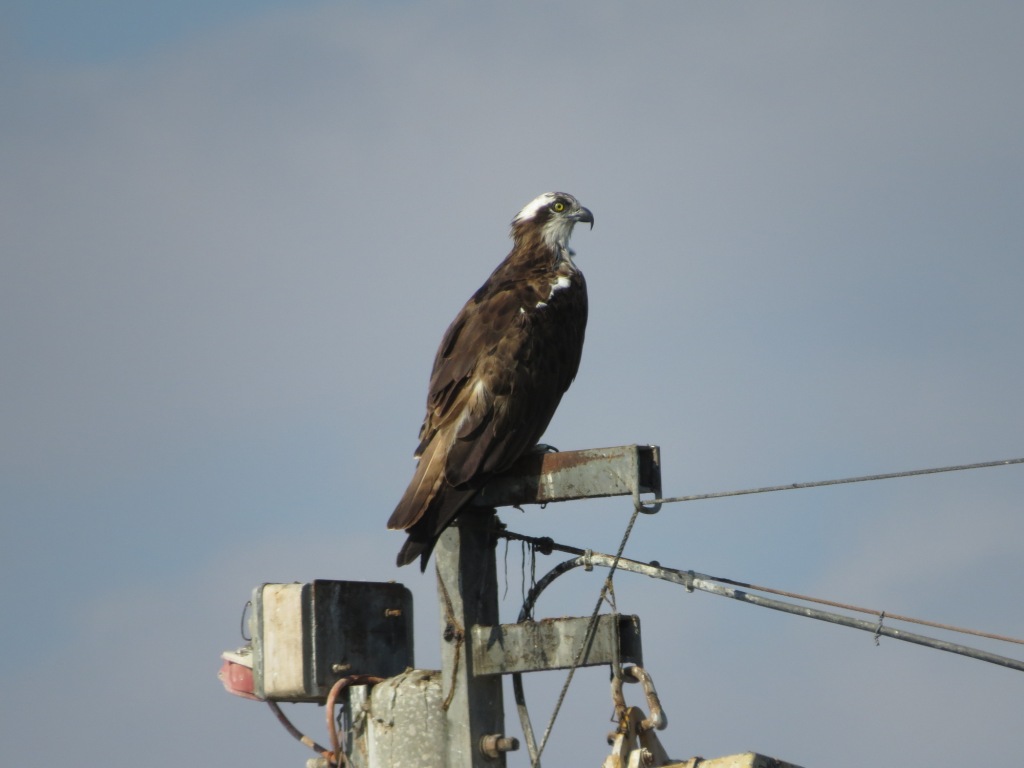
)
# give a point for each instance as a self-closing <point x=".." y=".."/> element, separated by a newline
<point x="535" y="646"/>
<point x="540" y="478"/>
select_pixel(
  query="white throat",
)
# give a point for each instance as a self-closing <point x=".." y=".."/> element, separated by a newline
<point x="556" y="234"/>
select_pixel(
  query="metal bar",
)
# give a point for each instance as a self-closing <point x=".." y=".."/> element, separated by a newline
<point x="540" y="478"/>
<point x="467" y="586"/>
<point x="536" y="646"/>
<point x="692" y="580"/>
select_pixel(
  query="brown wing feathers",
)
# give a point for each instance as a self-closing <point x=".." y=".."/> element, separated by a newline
<point x="497" y="379"/>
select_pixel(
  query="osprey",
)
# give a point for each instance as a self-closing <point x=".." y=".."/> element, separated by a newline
<point x="501" y="370"/>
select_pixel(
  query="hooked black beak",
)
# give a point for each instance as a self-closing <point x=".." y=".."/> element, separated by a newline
<point x="583" y="214"/>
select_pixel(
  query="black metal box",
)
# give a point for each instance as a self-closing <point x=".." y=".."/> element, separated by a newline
<point x="305" y="637"/>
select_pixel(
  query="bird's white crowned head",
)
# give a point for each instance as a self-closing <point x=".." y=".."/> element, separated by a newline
<point x="553" y="214"/>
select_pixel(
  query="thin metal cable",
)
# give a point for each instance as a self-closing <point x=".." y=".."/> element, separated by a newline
<point x="295" y="732"/>
<point x="690" y="580"/>
<point x="870" y="611"/>
<point x="840" y="481"/>
<point x="876" y="628"/>
<point x="587" y="638"/>
<point x="546" y="543"/>
<point x="453" y="632"/>
<point x="526" y="614"/>
<point x="505" y="593"/>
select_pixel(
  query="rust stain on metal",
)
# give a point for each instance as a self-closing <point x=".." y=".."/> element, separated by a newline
<point x="548" y="463"/>
<point x="540" y="478"/>
<point x="552" y="462"/>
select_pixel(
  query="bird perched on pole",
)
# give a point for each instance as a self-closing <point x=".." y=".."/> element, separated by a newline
<point x="501" y="370"/>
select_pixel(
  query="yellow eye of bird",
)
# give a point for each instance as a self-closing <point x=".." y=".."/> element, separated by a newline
<point x="558" y="206"/>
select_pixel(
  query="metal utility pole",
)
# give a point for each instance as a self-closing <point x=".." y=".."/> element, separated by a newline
<point x="350" y="643"/>
<point x="467" y="593"/>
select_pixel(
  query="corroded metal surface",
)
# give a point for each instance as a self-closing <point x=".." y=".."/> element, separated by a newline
<point x="308" y="636"/>
<point x="404" y="723"/>
<point x="540" y="478"/>
<point x="467" y="584"/>
<point x="534" y="646"/>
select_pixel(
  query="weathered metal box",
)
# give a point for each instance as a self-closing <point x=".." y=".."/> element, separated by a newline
<point x="305" y="637"/>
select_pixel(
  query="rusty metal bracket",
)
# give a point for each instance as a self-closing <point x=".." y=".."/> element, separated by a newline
<point x="540" y="478"/>
<point x="534" y="646"/>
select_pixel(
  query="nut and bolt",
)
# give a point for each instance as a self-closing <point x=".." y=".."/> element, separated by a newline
<point x="493" y="744"/>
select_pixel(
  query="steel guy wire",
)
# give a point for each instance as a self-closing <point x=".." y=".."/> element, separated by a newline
<point x="546" y="546"/>
<point x="587" y="638"/>
<point x="839" y="481"/>
<point x="692" y="580"/>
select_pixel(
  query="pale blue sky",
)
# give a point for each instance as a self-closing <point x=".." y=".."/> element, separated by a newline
<point x="105" y="31"/>
<point x="232" y="235"/>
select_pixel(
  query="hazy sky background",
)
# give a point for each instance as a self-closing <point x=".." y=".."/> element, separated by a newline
<point x="232" y="234"/>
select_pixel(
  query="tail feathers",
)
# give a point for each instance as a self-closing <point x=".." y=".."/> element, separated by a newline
<point x="424" y="487"/>
<point x="429" y="504"/>
<point x="424" y="534"/>
<point x="415" y="547"/>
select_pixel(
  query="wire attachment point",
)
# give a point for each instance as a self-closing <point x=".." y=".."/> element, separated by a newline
<point x="878" y="629"/>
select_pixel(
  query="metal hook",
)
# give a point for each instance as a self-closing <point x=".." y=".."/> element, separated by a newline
<point x="243" y="624"/>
